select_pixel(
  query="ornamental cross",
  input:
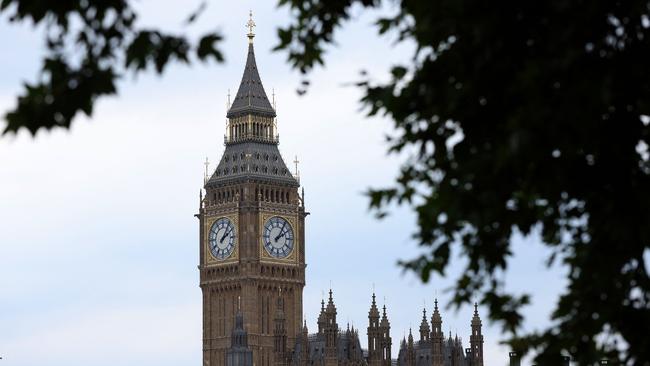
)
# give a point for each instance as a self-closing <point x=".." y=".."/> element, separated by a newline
<point x="250" y="24"/>
<point x="207" y="164"/>
<point x="296" y="161"/>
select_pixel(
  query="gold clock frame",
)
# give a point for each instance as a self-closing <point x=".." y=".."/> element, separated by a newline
<point x="210" y="258"/>
<point x="294" y="255"/>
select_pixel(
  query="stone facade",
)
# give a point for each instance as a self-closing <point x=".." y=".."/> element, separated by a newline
<point x="250" y="188"/>
<point x="252" y="263"/>
<point x="432" y="349"/>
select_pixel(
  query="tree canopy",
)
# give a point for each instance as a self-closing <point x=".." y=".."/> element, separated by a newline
<point x="529" y="117"/>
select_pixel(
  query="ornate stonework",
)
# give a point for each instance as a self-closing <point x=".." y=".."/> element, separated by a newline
<point x="252" y="263"/>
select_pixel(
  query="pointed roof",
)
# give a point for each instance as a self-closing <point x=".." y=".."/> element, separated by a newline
<point x="251" y="97"/>
<point x="331" y="308"/>
<point x="424" y="325"/>
<point x="436" y="319"/>
<point x="374" y="312"/>
<point x="384" y="319"/>
<point x="476" y="320"/>
<point x="239" y="337"/>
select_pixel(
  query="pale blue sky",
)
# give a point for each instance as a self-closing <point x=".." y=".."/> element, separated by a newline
<point x="98" y="243"/>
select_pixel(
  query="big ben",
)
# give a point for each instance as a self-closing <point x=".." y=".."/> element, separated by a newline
<point x="252" y="236"/>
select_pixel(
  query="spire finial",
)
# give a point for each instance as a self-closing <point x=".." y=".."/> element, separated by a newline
<point x="250" y="24"/>
<point x="273" y="95"/>
<point x="205" y="176"/>
<point x="296" y="161"/>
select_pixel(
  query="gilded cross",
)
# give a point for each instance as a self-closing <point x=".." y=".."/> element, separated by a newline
<point x="250" y="25"/>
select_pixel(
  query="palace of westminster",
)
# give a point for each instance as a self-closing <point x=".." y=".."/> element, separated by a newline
<point x="252" y="264"/>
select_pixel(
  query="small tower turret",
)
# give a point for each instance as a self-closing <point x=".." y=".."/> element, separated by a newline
<point x="331" y="331"/>
<point x="239" y="354"/>
<point x="386" y="341"/>
<point x="374" y="348"/>
<point x="476" y="339"/>
<point x="424" y="327"/>
<point x="410" y="350"/>
<point x="437" y="337"/>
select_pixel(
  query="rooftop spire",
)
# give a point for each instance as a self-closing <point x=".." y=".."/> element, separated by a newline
<point x="251" y="97"/>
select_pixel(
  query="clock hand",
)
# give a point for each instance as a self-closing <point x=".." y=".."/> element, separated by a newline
<point x="224" y="235"/>
<point x="281" y="234"/>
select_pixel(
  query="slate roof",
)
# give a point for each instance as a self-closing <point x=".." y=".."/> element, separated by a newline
<point x="251" y="97"/>
<point x="252" y="160"/>
<point x="347" y="348"/>
<point x="423" y="356"/>
<point x="257" y="160"/>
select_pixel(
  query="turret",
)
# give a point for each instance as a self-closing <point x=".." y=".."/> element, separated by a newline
<point x="424" y="327"/>
<point x="410" y="350"/>
<point x="239" y="354"/>
<point x="374" y="347"/>
<point x="331" y="330"/>
<point x="386" y="341"/>
<point x="437" y="338"/>
<point x="321" y="317"/>
<point x="304" y="345"/>
<point x="476" y="339"/>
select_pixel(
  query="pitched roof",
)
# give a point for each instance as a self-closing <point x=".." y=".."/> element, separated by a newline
<point x="251" y="97"/>
<point x="252" y="160"/>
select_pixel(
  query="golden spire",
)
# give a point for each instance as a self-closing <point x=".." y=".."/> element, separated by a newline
<point x="250" y="25"/>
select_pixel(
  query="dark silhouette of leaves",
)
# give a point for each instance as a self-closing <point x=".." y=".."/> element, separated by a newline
<point x="105" y="43"/>
<point x="529" y="117"/>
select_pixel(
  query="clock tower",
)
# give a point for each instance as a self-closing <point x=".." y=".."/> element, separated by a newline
<point x="251" y="232"/>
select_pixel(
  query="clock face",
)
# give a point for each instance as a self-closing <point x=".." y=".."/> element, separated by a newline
<point x="278" y="237"/>
<point x="221" y="238"/>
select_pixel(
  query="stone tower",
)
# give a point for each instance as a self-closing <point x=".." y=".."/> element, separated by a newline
<point x="251" y="231"/>
<point x="425" y="332"/>
<point x="386" y="341"/>
<point x="331" y="331"/>
<point x="374" y="335"/>
<point x="476" y="339"/>
<point x="437" y="337"/>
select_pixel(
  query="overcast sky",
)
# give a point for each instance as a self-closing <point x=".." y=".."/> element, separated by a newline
<point x="98" y="243"/>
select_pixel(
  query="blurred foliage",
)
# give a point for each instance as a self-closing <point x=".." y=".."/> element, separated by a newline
<point x="527" y="117"/>
<point x="89" y="46"/>
<point x="530" y="117"/>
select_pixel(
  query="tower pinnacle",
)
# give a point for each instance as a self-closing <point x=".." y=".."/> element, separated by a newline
<point x="250" y="25"/>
